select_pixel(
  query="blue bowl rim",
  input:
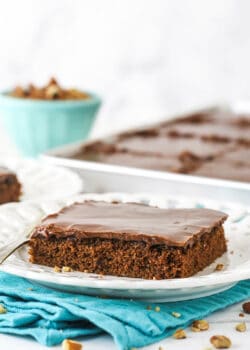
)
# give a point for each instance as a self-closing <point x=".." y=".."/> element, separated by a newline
<point x="8" y="100"/>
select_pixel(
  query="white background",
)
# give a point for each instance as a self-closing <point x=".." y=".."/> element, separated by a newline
<point x="147" y="59"/>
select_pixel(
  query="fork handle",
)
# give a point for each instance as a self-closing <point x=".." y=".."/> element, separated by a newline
<point x="9" y="249"/>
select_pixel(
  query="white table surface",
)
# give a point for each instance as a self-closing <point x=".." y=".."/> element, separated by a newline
<point x="222" y="322"/>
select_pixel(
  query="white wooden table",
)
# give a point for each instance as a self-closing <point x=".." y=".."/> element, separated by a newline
<point x="220" y="323"/>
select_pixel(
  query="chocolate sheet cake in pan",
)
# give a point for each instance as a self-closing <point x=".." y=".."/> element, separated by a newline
<point x="213" y="143"/>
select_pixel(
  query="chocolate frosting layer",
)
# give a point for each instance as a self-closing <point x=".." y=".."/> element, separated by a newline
<point x="226" y="131"/>
<point x="130" y="222"/>
<point x="173" y="146"/>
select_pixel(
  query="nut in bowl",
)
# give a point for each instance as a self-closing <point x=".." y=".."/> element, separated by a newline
<point x="39" y="119"/>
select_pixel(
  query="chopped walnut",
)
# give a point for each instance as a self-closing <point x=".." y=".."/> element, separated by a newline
<point x="69" y="344"/>
<point x="219" y="267"/>
<point x="57" y="269"/>
<point x="67" y="269"/>
<point x="241" y="327"/>
<point x="2" y="309"/>
<point x="52" y="91"/>
<point x="241" y="314"/>
<point x="200" y="325"/>
<point x="220" y="342"/>
<point x="180" y="334"/>
<point x="246" y="307"/>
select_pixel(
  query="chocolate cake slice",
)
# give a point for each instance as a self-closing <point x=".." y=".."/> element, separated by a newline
<point x="10" y="188"/>
<point x="129" y="239"/>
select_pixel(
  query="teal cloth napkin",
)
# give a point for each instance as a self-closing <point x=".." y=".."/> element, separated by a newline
<point x="51" y="316"/>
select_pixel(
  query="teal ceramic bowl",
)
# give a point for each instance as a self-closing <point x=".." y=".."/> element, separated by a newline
<point x="38" y="125"/>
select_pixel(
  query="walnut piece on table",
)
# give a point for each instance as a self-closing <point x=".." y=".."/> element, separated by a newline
<point x="69" y="344"/>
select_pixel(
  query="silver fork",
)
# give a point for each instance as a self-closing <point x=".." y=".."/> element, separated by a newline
<point x="10" y="248"/>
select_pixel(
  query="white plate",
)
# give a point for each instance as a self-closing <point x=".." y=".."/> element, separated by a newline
<point x="17" y="219"/>
<point x="42" y="181"/>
